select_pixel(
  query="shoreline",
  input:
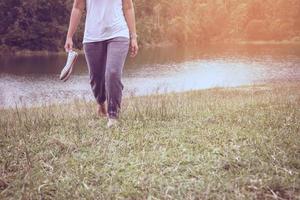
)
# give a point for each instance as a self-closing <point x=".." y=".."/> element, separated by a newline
<point x="49" y="104"/>
<point x="243" y="88"/>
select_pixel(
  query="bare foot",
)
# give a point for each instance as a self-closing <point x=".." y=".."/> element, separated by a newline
<point x="112" y="122"/>
<point x="102" y="112"/>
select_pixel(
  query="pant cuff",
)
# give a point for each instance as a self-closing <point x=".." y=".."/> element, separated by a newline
<point x="100" y="101"/>
<point x="113" y="115"/>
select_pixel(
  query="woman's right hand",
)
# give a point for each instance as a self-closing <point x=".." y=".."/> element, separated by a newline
<point x="69" y="44"/>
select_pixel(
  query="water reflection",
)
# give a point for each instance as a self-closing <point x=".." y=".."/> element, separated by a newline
<point x="34" y="80"/>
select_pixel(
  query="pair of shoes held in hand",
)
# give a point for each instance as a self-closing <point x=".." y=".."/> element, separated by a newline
<point x="68" y="68"/>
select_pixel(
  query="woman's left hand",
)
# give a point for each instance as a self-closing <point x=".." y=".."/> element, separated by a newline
<point x="133" y="47"/>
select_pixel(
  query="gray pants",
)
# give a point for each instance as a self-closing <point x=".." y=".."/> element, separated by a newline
<point x="105" y="60"/>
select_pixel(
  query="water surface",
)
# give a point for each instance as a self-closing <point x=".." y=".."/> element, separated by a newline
<point x="35" y="80"/>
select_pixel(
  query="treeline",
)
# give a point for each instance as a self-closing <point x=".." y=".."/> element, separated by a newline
<point x="42" y="24"/>
<point x="196" y="21"/>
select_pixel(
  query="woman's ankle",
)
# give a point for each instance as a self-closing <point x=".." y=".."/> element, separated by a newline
<point x="102" y="111"/>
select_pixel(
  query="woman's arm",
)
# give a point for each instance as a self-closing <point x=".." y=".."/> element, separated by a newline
<point x="129" y="14"/>
<point x="77" y="10"/>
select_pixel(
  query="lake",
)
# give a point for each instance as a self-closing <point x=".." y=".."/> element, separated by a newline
<point x="34" y="80"/>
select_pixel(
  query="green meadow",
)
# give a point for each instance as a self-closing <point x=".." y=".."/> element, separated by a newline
<point x="219" y="143"/>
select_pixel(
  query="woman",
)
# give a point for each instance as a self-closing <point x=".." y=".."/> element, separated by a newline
<point x="109" y="32"/>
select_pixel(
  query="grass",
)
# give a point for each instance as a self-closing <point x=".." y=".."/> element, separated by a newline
<point x="220" y="143"/>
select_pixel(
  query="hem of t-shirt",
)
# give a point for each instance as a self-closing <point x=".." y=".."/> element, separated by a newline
<point x="89" y="40"/>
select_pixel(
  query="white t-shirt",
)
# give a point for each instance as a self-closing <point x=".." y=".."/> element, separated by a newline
<point x="104" y="20"/>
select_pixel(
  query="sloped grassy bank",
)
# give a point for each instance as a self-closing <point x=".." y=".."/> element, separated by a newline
<point x="234" y="143"/>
